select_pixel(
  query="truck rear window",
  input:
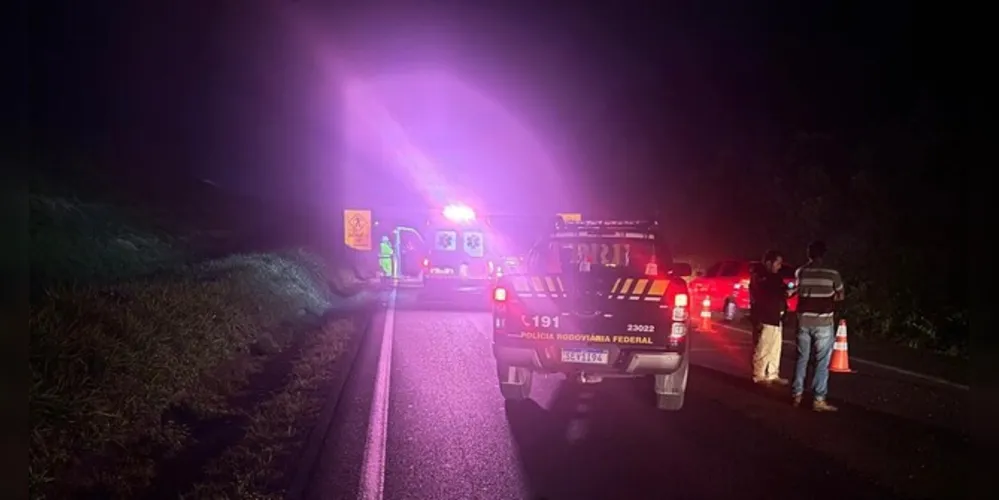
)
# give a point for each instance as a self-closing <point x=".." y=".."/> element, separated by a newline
<point x="626" y="254"/>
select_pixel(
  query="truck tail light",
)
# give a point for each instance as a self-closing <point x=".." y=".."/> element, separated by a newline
<point x="680" y="307"/>
<point x="499" y="294"/>
<point x="678" y="331"/>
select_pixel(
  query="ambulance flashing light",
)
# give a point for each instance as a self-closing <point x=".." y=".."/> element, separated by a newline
<point x="459" y="213"/>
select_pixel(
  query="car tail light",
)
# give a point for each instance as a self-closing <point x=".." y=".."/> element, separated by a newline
<point x="499" y="294"/>
<point x="426" y="262"/>
<point x="680" y="300"/>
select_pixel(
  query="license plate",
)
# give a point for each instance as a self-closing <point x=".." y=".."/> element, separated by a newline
<point x="585" y="356"/>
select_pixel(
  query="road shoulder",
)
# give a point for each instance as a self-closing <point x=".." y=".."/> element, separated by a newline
<point x="927" y="365"/>
<point x="303" y="467"/>
<point x="891" y="391"/>
<point x="916" y="459"/>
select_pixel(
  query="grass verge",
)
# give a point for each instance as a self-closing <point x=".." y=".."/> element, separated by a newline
<point x="130" y="377"/>
<point x="255" y="467"/>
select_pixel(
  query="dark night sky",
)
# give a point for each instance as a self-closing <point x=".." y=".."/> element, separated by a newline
<point x="232" y="89"/>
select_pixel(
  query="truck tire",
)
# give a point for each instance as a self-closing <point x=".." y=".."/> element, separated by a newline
<point x="518" y="389"/>
<point x="671" y="388"/>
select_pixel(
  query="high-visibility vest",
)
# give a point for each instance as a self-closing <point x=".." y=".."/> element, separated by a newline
<point x="385" y="258"/>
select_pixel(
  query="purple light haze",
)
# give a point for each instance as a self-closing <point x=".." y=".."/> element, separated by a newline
<point x="413" y="141"/>
<point x="444" y="140"/>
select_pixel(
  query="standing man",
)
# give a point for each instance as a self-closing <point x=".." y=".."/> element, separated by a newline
<point x="385" y="254"/>
<point x="768" y="302"/>
<point x="818" y="288"/>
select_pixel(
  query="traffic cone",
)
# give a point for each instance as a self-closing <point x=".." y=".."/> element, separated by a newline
<point x="706" y="314"/>
<point x="840" y="360"/>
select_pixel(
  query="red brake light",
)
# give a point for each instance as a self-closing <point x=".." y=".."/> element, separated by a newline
<point x="499" y="294"/>
<point x="426" y="262"/>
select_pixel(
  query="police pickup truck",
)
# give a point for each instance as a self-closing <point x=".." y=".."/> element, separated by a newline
<point x="594" y="299"/>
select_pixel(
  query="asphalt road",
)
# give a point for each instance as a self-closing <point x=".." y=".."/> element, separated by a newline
<point x="423" y="418"/>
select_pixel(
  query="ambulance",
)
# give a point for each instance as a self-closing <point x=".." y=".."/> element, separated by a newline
<point x="460" y="257"/>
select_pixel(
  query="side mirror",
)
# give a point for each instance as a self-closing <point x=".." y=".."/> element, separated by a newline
<point x="681" y="269"/>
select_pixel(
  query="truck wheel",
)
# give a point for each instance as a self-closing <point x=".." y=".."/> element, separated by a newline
<point x="671" y="388"/>
<point x="515" y="383"/>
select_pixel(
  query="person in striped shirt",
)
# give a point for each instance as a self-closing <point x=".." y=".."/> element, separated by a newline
<point x="818" y="288"/>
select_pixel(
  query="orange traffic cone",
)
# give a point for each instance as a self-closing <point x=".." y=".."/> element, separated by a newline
<point x="706" y="315"/>
<point x="840" y="360"/>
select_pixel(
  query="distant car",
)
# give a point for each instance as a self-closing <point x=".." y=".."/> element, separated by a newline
<point x="726" y="285"/>
<point x="594" y="299"/>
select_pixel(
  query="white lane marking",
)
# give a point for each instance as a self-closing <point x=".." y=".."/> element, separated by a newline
<point x="882" y="366"/>
<point x="373" y="468"/>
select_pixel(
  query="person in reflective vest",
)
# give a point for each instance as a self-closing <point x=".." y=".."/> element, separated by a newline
<point x="385" y="256"/>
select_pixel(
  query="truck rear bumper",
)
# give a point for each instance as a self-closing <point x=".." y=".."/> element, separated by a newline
<point x="625" y="361"/>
